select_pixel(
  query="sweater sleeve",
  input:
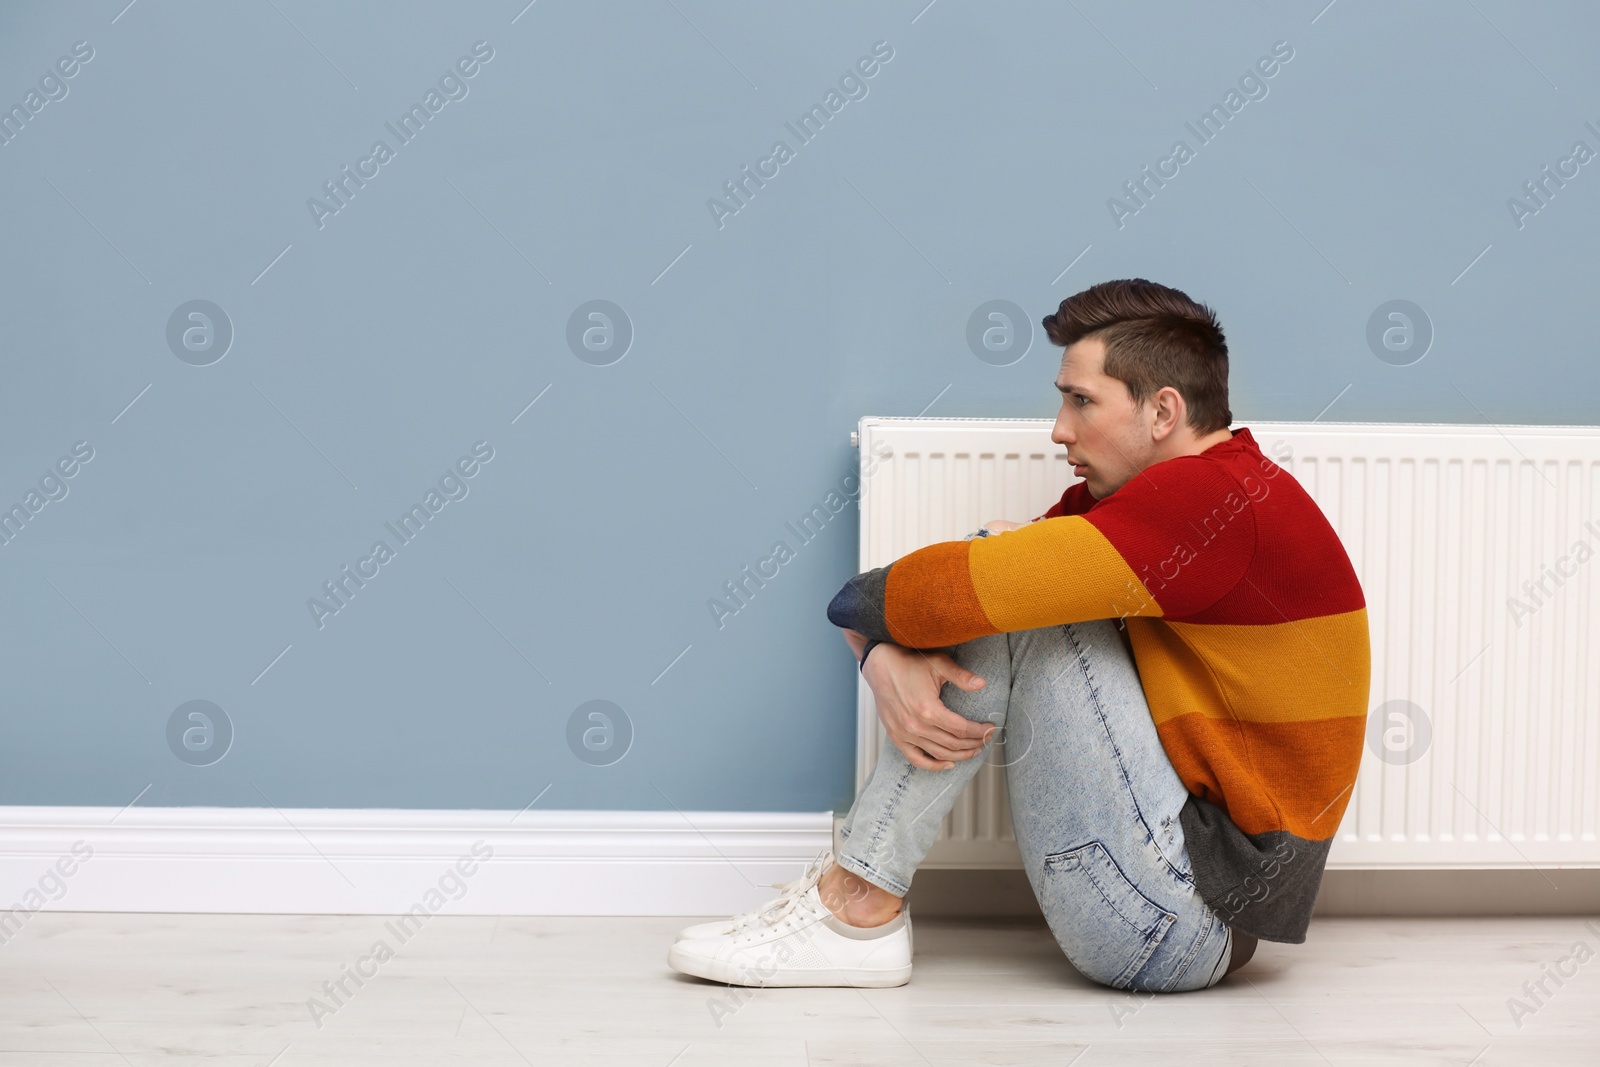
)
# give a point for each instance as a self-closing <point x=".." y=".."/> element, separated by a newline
<point x="1169" y="543"/>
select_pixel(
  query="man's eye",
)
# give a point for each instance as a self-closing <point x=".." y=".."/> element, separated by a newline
<point x="1080" y="396"/>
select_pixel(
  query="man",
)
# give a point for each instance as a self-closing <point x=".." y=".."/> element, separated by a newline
<point x="1178" y="652"/>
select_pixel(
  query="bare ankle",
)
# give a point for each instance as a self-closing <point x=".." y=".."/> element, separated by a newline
<point x="854" y="900"/>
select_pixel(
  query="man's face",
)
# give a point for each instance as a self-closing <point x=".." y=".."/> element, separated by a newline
<point x="1107" y="436"/>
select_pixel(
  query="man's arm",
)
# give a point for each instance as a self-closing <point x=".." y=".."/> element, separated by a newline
<point x="1138" y="552"/>
<point x="1052" y="571"/>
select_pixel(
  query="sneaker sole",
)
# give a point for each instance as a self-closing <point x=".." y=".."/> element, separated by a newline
<point x="682" y="936"/>
<point x="727" y="974"/>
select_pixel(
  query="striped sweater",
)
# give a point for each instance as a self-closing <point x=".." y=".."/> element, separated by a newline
<point x="1248" y="628"/>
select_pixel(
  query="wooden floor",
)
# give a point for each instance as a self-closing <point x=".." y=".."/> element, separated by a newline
<point x="102" y="990"/>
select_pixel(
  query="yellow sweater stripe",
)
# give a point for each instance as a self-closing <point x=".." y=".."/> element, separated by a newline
<point x="1301" y="671"/>
<point x="1054" y="571"/>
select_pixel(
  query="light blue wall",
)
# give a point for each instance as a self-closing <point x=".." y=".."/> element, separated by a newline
<point x="428" y="312"/>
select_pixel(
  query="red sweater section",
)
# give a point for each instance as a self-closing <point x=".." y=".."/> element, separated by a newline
<point x="1190" y="528"/>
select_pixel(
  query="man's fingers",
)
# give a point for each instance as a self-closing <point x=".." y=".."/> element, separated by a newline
<point x="937" y="719"/>
<point x="925" y="733"/>
<point x="918" y="758"/>
<point x="951" y="671"/>
<point x="942" y="752"/>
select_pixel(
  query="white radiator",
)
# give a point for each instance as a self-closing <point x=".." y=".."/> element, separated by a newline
<point x="1495" y="760"/>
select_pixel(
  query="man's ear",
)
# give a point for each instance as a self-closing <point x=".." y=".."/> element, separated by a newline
<point x="1168" y="412"/>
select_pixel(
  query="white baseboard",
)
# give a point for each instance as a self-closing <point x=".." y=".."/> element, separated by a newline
<point x="386" y="861"/>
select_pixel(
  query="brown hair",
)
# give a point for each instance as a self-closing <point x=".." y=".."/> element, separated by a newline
<point x="1154" y="337"/>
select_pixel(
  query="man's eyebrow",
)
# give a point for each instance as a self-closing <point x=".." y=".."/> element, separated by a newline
<point x="1069" y="389"/>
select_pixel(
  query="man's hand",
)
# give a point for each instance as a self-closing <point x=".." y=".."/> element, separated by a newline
<point x="905" y="684"/>
<point x="1002" y="525"/>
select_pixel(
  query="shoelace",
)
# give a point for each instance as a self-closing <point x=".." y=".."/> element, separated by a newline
<point x="812" y="873"/>
<point x="790" y="894"/>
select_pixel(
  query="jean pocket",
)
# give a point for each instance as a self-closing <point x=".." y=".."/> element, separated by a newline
<point x="1106" y="927"/>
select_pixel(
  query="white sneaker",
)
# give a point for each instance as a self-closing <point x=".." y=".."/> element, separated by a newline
<point x="797" y="941"/>
<point x="719" y="927"/>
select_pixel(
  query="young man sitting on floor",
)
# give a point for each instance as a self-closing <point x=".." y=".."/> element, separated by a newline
<point x="1178" y="652"/>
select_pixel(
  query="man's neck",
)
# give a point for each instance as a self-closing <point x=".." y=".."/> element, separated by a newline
<point x="1193" y="446"/>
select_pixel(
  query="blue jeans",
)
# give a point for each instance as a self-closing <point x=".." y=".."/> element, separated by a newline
<point x="1094" y="801"/>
